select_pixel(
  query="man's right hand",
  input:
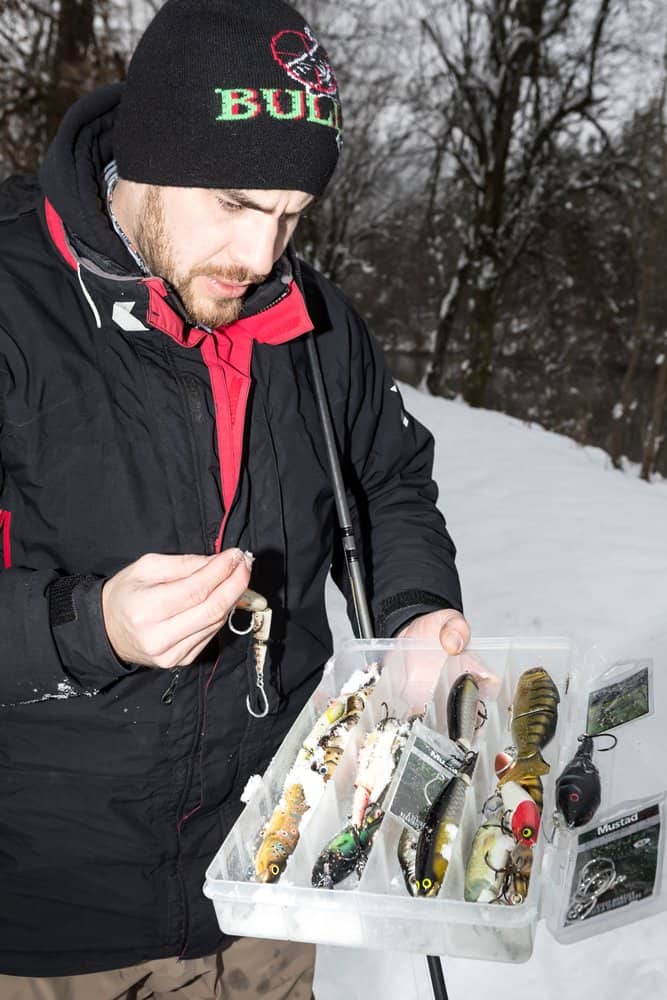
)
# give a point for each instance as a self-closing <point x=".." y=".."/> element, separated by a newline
<point x="161" y="611"/>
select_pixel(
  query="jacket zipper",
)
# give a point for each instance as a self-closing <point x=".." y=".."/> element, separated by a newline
<point x="168" y="695"/>
<point x="274" y="302"/>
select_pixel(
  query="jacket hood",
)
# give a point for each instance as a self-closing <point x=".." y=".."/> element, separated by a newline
<point x="72" y="171"/>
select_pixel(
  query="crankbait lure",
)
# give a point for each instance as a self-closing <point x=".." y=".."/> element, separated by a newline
<point x="378" y="758"/>
<point x="524" y="816"/>
<point x="578" y="787"/>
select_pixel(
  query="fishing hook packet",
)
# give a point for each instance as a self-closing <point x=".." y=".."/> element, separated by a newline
<point x="625" y="695"/>
<point x="615" y="870"/>
<point x="430" y="760"/>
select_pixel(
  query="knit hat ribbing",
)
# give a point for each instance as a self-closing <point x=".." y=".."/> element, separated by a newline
<point x="229" y="94"/>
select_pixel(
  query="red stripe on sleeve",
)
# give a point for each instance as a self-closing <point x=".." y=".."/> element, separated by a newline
<point x="5" y="522"/>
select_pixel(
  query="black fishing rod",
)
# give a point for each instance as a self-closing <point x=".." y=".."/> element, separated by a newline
<point x="353" y="568"/>
<point x="340" y="497"/>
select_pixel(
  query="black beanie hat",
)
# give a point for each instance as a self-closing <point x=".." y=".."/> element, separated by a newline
<point x="229" y="94"/>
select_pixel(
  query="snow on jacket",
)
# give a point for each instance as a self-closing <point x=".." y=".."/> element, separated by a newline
<point x="123" y="431"/>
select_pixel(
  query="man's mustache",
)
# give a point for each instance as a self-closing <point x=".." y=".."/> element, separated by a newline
<point x="230" y="275"/>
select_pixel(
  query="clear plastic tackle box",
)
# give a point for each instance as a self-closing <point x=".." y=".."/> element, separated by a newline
<point x="375" y="909"/>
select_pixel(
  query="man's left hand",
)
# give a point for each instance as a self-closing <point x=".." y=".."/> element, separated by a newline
<point x="448" y="626"/>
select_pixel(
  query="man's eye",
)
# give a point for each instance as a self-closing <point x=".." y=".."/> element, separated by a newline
<point x="229" y="206"/>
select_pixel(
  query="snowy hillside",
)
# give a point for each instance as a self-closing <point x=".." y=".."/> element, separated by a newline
<point x="552" y="541"/>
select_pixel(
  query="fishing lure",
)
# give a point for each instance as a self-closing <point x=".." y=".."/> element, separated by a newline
<point x="578" y="787"/>
<point x="441" y="826"/>
<point x="534" y="719"/>
<point x="524" y="816"/>
<point x="465" y="711"/>
<point x="281" y="835"/>
<point x="487" y="862"/>
<point x="407" y="858"/>
<point x="326" y="754"/>
<point x="347" y="851"/>
<point x="530" y="783"/>
<point x="378" y="758"/>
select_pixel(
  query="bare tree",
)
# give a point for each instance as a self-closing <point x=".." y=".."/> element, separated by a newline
<point x="654" y="436"/>
<point x="337" y="234"/>
<point x="513" y="78"/>
<point x="50" y="54"/>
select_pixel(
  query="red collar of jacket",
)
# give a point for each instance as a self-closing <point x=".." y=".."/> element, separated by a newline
<point x="285" y="319"/>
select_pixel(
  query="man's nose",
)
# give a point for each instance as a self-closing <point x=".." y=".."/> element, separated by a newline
<point x="256" y="245"/>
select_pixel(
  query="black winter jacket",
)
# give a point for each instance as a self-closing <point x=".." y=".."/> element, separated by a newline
<point x="119" y="783"/>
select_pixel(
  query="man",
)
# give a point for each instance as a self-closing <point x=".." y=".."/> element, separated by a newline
<point x="159" y="425"/>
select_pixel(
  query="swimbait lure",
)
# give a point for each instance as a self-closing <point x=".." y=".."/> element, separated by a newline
<point x="534" y="719"/>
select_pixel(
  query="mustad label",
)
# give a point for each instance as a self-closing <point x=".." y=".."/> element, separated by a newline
<point x="625" y="821"/>
<point x="610" y="826"/>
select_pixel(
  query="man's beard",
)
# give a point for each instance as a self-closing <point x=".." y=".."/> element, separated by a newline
<point x="150" y="236"/>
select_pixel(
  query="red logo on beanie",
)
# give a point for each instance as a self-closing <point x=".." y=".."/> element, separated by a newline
<point x="303" y="59"/>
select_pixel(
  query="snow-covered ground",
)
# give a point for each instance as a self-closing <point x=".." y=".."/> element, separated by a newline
<point x="552" y="541"/>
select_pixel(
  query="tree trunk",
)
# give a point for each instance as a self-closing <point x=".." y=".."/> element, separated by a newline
<point x="482" y="327"/>
<point x="654" y="434"/>
<point x="436" y="380"/>
<point x="74" y="39"/>
<point x="620" y="420"/>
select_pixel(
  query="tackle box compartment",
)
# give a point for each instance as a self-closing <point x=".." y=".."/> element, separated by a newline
<point x="376" y="911"/>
